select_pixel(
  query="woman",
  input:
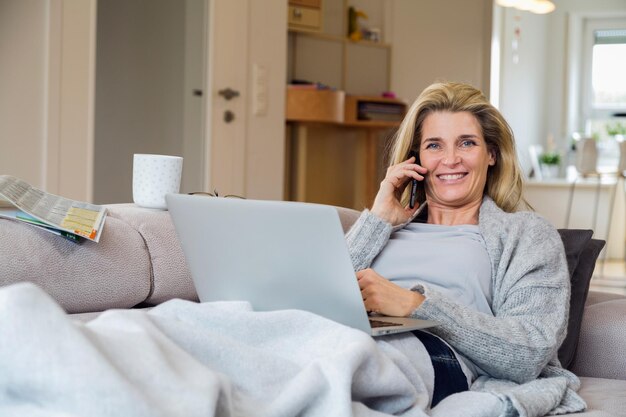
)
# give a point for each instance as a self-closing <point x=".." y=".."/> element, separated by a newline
<point x="495" y="278"/>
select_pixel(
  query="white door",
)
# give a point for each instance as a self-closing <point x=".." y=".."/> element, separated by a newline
<point x="246" y="123"/>
<point x="214" y="132"/>
<point x="226" y="116"/>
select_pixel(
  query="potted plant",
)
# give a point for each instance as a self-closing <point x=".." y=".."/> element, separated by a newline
<point x="616" y="131"/>
<point x="550" y="163"/>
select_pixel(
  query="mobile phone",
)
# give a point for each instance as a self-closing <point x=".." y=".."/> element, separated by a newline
<point x="414" y="183"/>
<point x="413" y="193"/>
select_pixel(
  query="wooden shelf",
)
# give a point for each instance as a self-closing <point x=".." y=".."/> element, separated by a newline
<point x="307" y="3"/>
<point x="335" y="154"/>
<point x="372" y="124"/>
<point x="335" y="38"/>
<point x="327" y="106"/>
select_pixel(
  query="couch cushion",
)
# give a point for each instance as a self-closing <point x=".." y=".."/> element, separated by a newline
<point x="114" y="273"/>
<point x="595" y="297"/>
<point x="171" y="277"/>
<point x="604" y="397"/>
<point x="581" y="252"/>
<point x="602" y="341"/>
<point x="574" y="242"/>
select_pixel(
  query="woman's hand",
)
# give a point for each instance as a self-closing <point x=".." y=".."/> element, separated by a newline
<point x="387" y="204"/>
<point x="382" y="296"/>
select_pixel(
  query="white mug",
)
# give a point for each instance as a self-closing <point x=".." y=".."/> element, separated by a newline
<point x="154" y="176"/>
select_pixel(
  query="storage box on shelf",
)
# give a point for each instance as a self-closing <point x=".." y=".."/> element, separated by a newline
<point x="377" y="112"/>
<point x="305" y="105"/>
<point x="305" y="15"/>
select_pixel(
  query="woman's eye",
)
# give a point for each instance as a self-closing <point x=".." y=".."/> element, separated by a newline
<point x="432" y="146"/>
<point x="468" y="143"/>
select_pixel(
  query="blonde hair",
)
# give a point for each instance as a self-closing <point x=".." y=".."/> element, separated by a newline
<point x="504" y="179"/>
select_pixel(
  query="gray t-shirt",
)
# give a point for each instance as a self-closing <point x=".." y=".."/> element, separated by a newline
<point x="451" y="259"/>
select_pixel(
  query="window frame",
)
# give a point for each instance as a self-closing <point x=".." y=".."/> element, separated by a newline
<point x="588" y="111"/>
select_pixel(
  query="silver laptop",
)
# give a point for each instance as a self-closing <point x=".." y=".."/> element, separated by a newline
<point x="276" y="255"/>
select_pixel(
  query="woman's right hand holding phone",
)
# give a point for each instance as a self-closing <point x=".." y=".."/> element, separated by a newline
<point x="387" y="203"/>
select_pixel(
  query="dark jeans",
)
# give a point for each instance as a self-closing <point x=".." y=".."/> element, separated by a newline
<point x="449" y="377"/>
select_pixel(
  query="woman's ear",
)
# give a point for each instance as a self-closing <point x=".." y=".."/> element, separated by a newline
<point x="492" y="157"/>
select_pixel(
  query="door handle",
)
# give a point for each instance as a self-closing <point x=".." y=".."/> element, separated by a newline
<point x="228" y="93"/>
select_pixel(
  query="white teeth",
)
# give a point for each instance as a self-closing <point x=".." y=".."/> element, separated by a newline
<point x="451" y="176"/>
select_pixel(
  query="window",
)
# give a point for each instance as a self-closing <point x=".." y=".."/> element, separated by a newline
<point x="608" y="70"/>
<point x="604" y="85"/>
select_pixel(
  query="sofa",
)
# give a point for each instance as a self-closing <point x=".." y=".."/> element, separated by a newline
<point x="138" y="263"/>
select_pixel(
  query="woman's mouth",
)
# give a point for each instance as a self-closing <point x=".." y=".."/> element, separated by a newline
<point x="451" y="177"/>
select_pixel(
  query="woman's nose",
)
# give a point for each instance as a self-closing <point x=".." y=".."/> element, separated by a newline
<point x="451" y="157"/>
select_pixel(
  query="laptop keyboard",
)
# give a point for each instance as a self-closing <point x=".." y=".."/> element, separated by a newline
<point x="380" y="323"/>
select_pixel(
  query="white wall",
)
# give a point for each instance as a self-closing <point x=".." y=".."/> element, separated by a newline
<point x="523" y="82"/>
<point x="435" y="40"/>
<point x="46" y="93"/>
<point x="22" y="89"/>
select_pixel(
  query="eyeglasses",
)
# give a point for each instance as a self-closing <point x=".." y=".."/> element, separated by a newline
<point x="215" y="194"/>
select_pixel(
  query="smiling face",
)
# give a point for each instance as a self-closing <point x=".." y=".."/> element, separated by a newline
<point x="454" y="151"/>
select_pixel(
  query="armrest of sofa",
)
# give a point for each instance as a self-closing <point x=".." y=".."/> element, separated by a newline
<point x="114" y="273"/>
<point x="138" y="260"/>
<point x="602" y="339"/>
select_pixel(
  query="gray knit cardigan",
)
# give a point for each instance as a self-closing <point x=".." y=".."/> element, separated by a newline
<point x="531" y="290"/>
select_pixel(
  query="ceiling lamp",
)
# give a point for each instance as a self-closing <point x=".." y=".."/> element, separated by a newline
<point x="533" y="6"/>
